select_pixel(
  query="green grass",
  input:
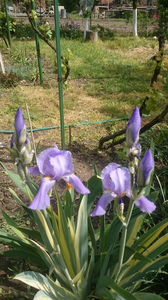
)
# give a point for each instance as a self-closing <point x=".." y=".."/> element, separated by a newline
<point x="107" y="79"/>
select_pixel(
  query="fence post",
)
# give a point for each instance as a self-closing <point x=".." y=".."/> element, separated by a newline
<point x="60" y="80"/>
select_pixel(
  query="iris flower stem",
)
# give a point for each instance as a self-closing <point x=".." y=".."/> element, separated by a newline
<point x="124" y="237"/>
<point x="28" y="181"/>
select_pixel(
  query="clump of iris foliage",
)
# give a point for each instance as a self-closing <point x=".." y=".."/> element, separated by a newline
<point x="77" y="259"/>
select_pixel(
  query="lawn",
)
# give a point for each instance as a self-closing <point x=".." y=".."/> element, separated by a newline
<point x="107" y="80"/>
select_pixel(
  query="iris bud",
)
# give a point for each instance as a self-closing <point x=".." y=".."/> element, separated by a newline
<point x="145" y="169"/>
<point x="133" y="128"/>
<point x="20" y="142"/>
<point x="20" y="128"/>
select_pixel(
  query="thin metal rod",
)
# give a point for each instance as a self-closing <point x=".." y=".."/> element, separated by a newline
<point x="60" y="80"/>
<point x="37" y="47"/>
<point x="31" y="130"/>
<point x="7" y="21"/>
<point x="8" y="131"/>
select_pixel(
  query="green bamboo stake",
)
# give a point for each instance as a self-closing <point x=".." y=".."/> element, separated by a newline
<point x="7" y="21"/>
<point x="60" y="80"/>
<point x="37" y="47"/>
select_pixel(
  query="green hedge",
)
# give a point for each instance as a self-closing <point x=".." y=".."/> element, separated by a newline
<point x="25" y="31"/>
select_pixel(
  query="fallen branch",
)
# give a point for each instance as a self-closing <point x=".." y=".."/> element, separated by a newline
<point x="146" y="127"/>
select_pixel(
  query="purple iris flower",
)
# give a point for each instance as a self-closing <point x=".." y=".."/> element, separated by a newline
<point x="117" y="184"/>
<point x="20" y="140"/>
<point x="145" y="205"/>
<point x="133" y="128"/>
<point x="145" y="169"/>
<point x="20" y="127"/>
<point x="54" y="164"/>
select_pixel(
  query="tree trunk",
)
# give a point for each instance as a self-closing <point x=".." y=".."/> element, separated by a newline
<point x="159" y="60"/>
<point x="135" y="32"/>
<point x="86" y="27"/>
<point x="2" y="64"/>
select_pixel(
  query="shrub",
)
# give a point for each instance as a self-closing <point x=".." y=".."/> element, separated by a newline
<point x="9" y="79"/>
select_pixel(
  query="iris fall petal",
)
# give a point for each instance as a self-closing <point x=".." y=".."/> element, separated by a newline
<point x="77" y="184"/>
<point x="145" y="205"/>
<point x="100" y="208"/>
<point x="42" y="200"/>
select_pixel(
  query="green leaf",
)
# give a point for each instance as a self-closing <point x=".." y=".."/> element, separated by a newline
<point x="15" y="196"/>
<point x="29" y="255"/>
<point x="14" y="227"/>
<point x="148" y="296"/>
<point x="158" y="247"/>
<point x="138" y="271"/>
<point x="33" y="234"/>
<point x="53" y="262"/>
<point x="36" y="280"/>
<point x="95" y="187"/>
<point x="135" y="225"/>
<point x="81" y="234"/>
<point x="65" y="241"/>
<point x="62" y="292"/>
<point x="146" y="239"/>
<point x="110" y="243"/>
<point x="19" y="182"/>
<point x="41" y="295"/>
<point x="6" y="238"/>
<point x="107" y="282"/>
<point x="68" y="203"/>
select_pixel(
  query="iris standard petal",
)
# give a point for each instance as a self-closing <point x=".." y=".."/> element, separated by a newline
<point x="62" y="164"/>
<point x="100" y="208"/>
<point x="42" y="200"/>
<point x="55" y="163"/>
<point x="120" y="178"/>
<point x="77" y="184"/>
<point x="145" y="205"/>
<point x="43" y="161"/>
<point x="145" y="169"/>
<point x="133" y="128"/>
<point x="105" y="175"/>
<point x="34" y="171"/>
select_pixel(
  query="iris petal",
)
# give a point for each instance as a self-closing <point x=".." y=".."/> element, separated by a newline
<point x="62" y="164"/>
<point x="105" y="175"/>
<point x="145" y="205"/>
<point x="43" y="158"/>
<point x="19" y="123"/>
<point x="133" y="128"/>
<point x="34" y="171"/>
<point x="77" y="184"/>
<point x="100" y="208"/>
<point x="120" y="178"/>
<point x="42" y="200"/>
<point x="145" y="169"/>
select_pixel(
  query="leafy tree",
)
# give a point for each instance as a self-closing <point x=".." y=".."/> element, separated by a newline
<point x="70" y="5"/>
<point x="162" y="36"/>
